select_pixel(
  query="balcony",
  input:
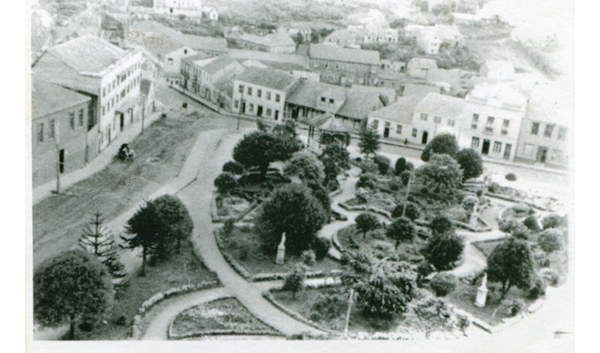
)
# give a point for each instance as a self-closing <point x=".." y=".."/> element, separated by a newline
<point x="489" y="130"/>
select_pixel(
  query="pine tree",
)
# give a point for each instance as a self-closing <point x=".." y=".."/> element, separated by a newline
<point x="100" y="241"/>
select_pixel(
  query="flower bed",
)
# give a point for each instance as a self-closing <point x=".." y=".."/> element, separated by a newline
<point x="230" y="260"/>
<point x="365" y="208"/>
<point x="217" y="213"/>
<point x="159" y="297"/>
<point x="226" y="316"/>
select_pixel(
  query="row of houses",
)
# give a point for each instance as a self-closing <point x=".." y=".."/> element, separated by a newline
<point x="86" y="92"/>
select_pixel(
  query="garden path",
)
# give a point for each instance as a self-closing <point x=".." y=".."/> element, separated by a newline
<point x="473" y="259"/>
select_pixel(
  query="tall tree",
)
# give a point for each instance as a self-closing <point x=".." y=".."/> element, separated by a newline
<point x="100" y="241"/>
<point x="294" y="210"/>
<point x="366" y="222"/>
<point x="369" y="141"/>
<point x="441" y="225"/>
<point x="259" y="149"/>
<point x="470" y="162"/>
<point x="441" y="144"/>
<point x="146" y="230"/>
<point x="335" y="159"/>
<point x="306" y="166"/>
<point x="511" y="263"/>
<point x="70" y="288"/>
<point x="401" y="230"/>
<point x="176" y="217"/>
<point x="441" y="176"/>
<point x="443" y="250"/>
<point x="225" y="183"/>
<point x="294" y="282"/>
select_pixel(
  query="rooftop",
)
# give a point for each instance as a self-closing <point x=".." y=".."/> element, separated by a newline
<point x="309" y="92"/>
<point x="265" y="56"/>
<point x="327" y="52"/>
<point x="361" y="100"/>
<point x="88" y="54"/>
<point x="438" y="104"/>
<point x="47" y="98"/>
<point x="279" y="39"/>
<point x="267" y="78"/>
<point x="212" y="65"/>
<point x="145" y="85"/>
<point x="401" y="111"/>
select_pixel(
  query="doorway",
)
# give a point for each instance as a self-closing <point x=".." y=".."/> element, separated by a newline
<point x="61" y="161"/>
<point x="542" y="154"/>
<point x="121" y="121"/>
<point x="486" y="147"/>
<point x="386" y="130"/>
<point x="243" y="107"/>
<point x="507" y="151"/>
<point x="425" y="137"/>
<point x="259" y="110"/>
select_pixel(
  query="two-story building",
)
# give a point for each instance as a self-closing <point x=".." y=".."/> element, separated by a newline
<point x="279" y="42"/>
<point x="188" y="8"/>
<point x="313" y="98"/>
<point x="394" y="122"/>
<point x="437" y="114"/>
<point x="109" y="75"/>
<point x="342" y="66"/>
<point x="262" y="92"/>
<point x="361" y="101"/>
<point x="211" y="78"/>
<point x="61" y="140"/>
<point x="544" y="136"/>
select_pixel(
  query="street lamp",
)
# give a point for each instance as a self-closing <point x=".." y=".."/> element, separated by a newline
<point x="240" y="112"/>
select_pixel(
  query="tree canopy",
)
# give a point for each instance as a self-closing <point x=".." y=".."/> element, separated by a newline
<point x="443" y="250"/>
<point x="259" y="149"/>
<point x="294" y="210"/>
<point x="225" y="183"/>
<point x="70" y="288"/>
<point x="470" y="162"/>
<point x="175" y="216"/>
<point x="306" y="166"/>
<point x="401" y="230"/>
<point x="441" y="176"/>
<point x="441" y="225"/>
<point x="511" y="263"/>
<point x="233" y="167"/>
<point x="441" y="144"/>
<point x="366" y="222"/>
<point x="412" y="211"/>
<point x="335" y="159"/>
<point x="369" y="141"/>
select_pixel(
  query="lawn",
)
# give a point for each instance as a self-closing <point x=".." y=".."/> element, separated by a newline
<point x="180" y="269"/>
<point x="486" y="247"/>
<point x="244" y="245"/>
<point x="161" y="151"/>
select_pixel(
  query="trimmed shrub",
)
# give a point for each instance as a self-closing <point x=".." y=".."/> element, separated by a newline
<point x="532" y="224"/>
<point x="228" y="226"/>
<point x="233" y="167"/>
<point x="400" y="166"/>
<point x="314" y="316"/>
<point x="552" y="221"/>
<point x="443" y="283"/>
<point x="441" y="144"/>
<point x="395" y="184"/>
<point x="511" y="177"/>
<point x="308" y="257"/>
<point x="225" y="182"/>
<point x="383" y="164"/>
<point x="412" y="211"/>
<point x="550" y="240"/>
<point x="520" y="233"/>
<point x="494" y="188"/>
<point x="441" y="225"/>
<point x="367" y="180"/>
<point x="538" y="289"/>
<point x="405" y="177"/>
<point x="368" y="166"/>
<point x="321" y="247"/>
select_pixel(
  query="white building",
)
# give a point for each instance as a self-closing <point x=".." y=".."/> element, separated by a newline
<point x="437" y="114"/>
<point x="190" y="8"/>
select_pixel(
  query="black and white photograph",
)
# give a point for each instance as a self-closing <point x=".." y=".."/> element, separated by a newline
<point x="341" y="171"/>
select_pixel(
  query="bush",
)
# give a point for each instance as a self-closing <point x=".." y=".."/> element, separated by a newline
<point x="550" y="240"/>
<point x="383" y="164"/>
<point x="520" y="233"/>
<point x="368" y="166"/>
<point x="538" y="289"/>
<point x="470" y="162"/>
<point x="315" y="317"/>
<point x="532" y="224"/>
<point x="233" y="167"/>
<point x="321" y="247"/>
<point x="308" y="257"/>
<point x="413" y="211"/>
<point x="329" y="306"/>
<point x="395" y="184"/>
<point x="225" y="182"/>
<point x="443" y="283"/>
<point x="552" y="221"/>
<point x="400" y="166"/>
<point x="441" y="225"/>
<point x="367" y="180"/>
<point x="443" y="250"/>
<point x="550" y="276"/>
<point x="441" y="144"/>
<point x="228" y="226"/>
<point x="511" y="177"/>
<point x="405" y="177"/>
<point x="494" y="188"/>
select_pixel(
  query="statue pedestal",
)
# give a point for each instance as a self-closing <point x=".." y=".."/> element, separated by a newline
<point x="473" y="219"/>
<point x="482" y="293"/>
<point x="280" y="255"/>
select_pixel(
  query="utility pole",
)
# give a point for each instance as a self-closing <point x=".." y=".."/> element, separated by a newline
<point x="57" y="140"/>
<point x="241" y="104"/>
<point x="348" y="312"/>
<point x="407" y="193"/>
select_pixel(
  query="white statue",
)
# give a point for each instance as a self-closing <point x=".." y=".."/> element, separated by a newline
<point x="482" y="292"/>
<point x="281" y="251"/>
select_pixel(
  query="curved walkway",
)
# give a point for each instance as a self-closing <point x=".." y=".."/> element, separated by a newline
<point x="197" y="196"/>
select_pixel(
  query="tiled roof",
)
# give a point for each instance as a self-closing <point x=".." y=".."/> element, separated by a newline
<point x="47" y="98"/>
<point x="441" y="105"/>
<point x="328" y="52"/>
<point x="419" y="90"/>
<point x="548" y="104"/>
<point x="88" y="54"/>
<point x="279" y="39"/>
<point x="361" y="100"/>
<point x="51" y="69"/>
<point x="401" y="111"/>
<point x="156" y="43"/>
<point x="308" y="93"/>
<point x="203" y="43"/>
<point x="265" y="56"/>
<point x="215" y="64"/>
<point x="267" y="78"/>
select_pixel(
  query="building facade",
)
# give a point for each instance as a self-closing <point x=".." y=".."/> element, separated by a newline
<point x="190" y="8"/>
<point x="343" y="66"/>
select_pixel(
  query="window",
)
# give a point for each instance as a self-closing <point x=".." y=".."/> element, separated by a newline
<point x="72" y="120"/>
<point x="331" y="101"/>
<point x="259" y="93"/>
<point x="549" y="129"/>
<point x="535" y="127"/>
<point x="103" y="111"/>
<point x="556" y="155"/>
<point x="185" y="51"/>
<point x="80" y="117"/>
<point x="437" y="119"/>
<point x="276" y="114"/>
<point x="423" y="117"/>
<point x="268" y="111"/>
<point x="251" y="108"/>
<point x="40" y="131"/>
<point x="249" y="90"/>
<point x="562" y="133"/>
<point x="398" y="129"/>
<point x="323" y="100"/>
<point x="170" y="60"/>
<point x="528" y="150"/>
<point x="497" y="146"/>
<point x="375" y="124"/>
<point x="387" y="124"/>
<point x="505" y="124"/>
<point x="268" y="95"/>
<point x="475" y="142"/>
<point x="241" y="90"/>
<point x="489" y="126"/>
<point x="451" y="122"/>
<point x="236" y="104"/>
<point x="51" y="130"/>
<point x="414" y="133"/>
<point x="475" y="121"/>
<point x="103" y="91"/>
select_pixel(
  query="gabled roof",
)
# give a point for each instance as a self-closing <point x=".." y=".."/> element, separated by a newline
<point x="359" y="56"/>
<point x="47" y="98"/>
<point x="266" y="56"/>
<point x="411" y="89"/>
<point x="401" y="111"/>
<point x="278" y="39"/>
<point x="156" y="43"/>
<point x="88" y="54"/>
<point x="422" y="63"/>
<point x="267" y="78"/>
<point x="441" y="105"/>
<point x="362" y="100"/>
<point x="215" y="64"/>
<point x="308" y="93"/>
<point x="203" y="43"/>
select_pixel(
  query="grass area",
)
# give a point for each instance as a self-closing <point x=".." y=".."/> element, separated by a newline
<point x="160" y="154"/>
<point x="218" y="316"/>
<point x="350" y="238"/>
<point x="244" y="245"/>
<point x="486" y="247"/>
<point x="463" y="297"/>
<point x="180" y="269"/>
